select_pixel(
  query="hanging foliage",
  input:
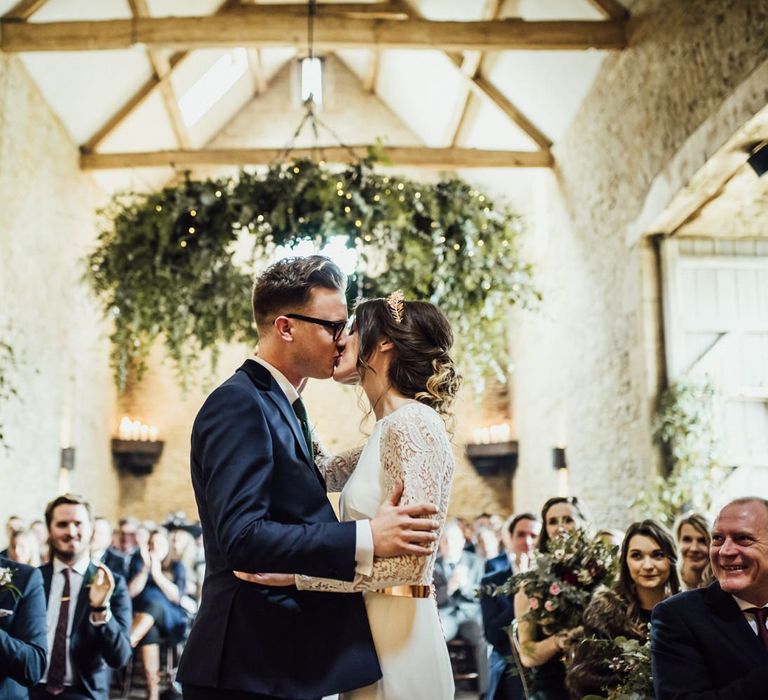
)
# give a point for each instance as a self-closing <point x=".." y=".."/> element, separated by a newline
<point x="7" y="387"/>
<point x="171" y="263"/>
<point x="684" y="428"/>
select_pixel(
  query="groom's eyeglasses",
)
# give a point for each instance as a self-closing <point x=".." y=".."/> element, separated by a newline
<point x="336" y="327"/>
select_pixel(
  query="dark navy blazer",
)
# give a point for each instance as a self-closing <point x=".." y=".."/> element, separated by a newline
<point x="263" y="508"/>
<point x="704" y="649"/>
<point x="23" y="632"/>
<point x="94" y="647"/>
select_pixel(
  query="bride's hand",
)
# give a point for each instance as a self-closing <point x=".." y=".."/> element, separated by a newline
<point x="267" y="579"/>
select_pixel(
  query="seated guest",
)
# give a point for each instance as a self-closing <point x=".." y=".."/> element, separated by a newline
<point x="22" y="548"/>
<point x="40" y="531"/>
<point x="23" y="632"/>
<point x="488" y="543"/>
<point x="693" y="540"/>
<point x="712" y="643"/>
<point x="101" y="547"/>
<point x="12" y="523"/>
<point x="157" y="609"/>
<point x="88" y="609"/>
<point x="519" y="535"/>
<point x="647" y="575"/>
<point x="540" y="651"/>
<point x="136" y="557"/>
<point x="458" y="573"/>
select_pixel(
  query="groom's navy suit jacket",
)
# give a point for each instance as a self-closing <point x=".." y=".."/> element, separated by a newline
<point x="23" y="632"/>
<point x="704" y="649"/>
<point x="263" y="508"/>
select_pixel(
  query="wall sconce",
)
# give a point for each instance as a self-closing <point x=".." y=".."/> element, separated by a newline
<point x="758" y="159"/>
<point x="558" y="458"/>
<point x="560" y="465"/>
<point x="136" y="449"/>
<point x="493" y="452"/>
<point x="67" y="459"/>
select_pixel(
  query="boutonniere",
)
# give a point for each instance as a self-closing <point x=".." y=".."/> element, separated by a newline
<point x="6" y="581"/>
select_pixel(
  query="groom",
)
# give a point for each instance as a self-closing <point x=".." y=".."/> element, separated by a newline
<point x="263" y="508"/>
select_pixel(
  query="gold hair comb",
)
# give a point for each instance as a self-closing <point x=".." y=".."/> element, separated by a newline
<point x="396" y="304"/>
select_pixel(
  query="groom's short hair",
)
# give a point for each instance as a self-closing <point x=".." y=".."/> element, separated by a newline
<point x="287" y="285"/>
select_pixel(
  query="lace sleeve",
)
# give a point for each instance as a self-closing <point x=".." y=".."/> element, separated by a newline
<point x="415" y="448"/>
<point x="336" y="469"/>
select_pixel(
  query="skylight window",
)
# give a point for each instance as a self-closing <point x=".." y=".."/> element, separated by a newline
<point x="312" y="80"/>
<point x="212" y="85"/>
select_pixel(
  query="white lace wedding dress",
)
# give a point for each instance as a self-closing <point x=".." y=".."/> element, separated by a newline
<point x="411" y="444"/>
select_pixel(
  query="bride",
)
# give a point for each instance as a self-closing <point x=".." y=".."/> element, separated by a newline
<point x="398" y="351"/>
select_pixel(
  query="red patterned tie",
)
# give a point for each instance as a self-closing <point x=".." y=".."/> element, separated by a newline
<point x="761" y="615"/>
<point x="58" y="667"/>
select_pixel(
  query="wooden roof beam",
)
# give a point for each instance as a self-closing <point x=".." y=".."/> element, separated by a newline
<point x="241" y="29"/>
<point x="144" y="92"/>
<point x="610" y="8"/>
<point x="162" y="68"/>
<point x="472" y="65"/>
<point x="445" y="158"/>
<point x="23" y="10"/>
<point x="382" y="10"/>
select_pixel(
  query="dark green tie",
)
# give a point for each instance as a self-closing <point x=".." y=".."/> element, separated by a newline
<point x="301" y="414"/>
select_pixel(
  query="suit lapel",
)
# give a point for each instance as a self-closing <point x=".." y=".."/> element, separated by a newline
<point x="47" y="572"/>
<point x="734" y="625"/>
<point x="264" y="381"/>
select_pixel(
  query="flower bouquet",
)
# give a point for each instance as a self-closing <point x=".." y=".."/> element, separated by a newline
<point x="630" y="660"/>
<point x="562" y="581"/>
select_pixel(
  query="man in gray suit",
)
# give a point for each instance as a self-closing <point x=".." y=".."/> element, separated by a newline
<point x="458" y="574"/>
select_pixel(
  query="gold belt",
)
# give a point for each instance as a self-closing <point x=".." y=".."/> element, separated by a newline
<point x="407" y="591"/>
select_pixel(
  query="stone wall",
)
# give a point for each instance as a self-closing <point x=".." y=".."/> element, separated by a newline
<point x="588" y="364"/>
<point x="47" y="223"/>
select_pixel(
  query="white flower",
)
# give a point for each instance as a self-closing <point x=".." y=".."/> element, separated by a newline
<point x="6" y="576"/>
<point x="584" y="576"/>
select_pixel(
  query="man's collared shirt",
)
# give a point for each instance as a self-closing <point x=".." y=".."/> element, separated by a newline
<point x="76" y="579"/>
<point x="364" y="536"/>
<point x="749" y="617"/>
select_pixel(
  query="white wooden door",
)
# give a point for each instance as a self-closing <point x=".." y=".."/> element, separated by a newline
<point x="716" y="324"/>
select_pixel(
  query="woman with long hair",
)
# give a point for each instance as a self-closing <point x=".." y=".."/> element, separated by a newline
<point x="398" y="351"/>
<point x="158" y="614"/>
<point x="647" y="575"/>
<point x="543" y="653"/>
<point x="692" y="532"/>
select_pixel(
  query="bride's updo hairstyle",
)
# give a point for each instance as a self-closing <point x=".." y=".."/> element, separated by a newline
<point x="421" y="367"/>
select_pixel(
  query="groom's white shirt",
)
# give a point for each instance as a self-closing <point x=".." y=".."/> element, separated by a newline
<point x="364" y="536"/>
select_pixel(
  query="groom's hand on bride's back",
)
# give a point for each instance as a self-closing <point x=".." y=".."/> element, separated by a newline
<point x="399" y="530"/>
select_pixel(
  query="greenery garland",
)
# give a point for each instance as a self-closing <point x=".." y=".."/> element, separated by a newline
<point x="170" y="263"/>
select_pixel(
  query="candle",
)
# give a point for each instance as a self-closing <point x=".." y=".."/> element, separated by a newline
<point x="124" y="432"/>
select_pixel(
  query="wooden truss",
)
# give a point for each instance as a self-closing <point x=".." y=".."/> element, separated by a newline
<point x="374" y="26"/>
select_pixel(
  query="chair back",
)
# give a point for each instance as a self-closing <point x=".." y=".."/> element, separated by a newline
<point x="523" y="672"/>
